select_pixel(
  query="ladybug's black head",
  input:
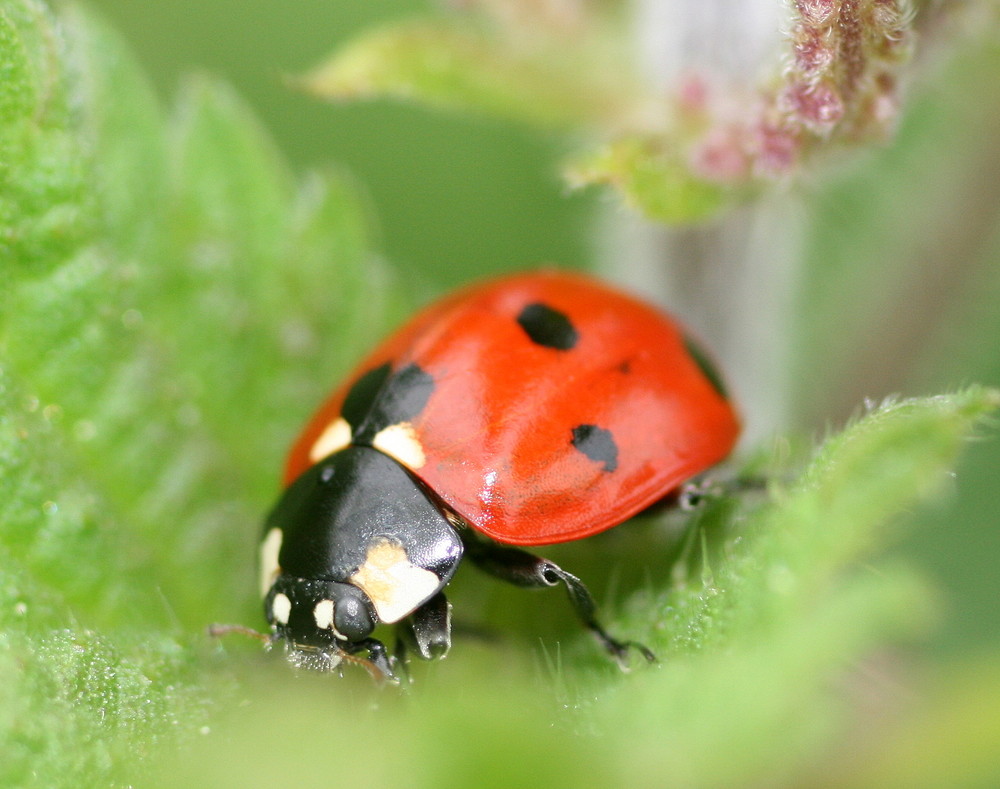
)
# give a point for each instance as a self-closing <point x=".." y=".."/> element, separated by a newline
<point x="317" y="613"/>
<point x="353" y="541"/>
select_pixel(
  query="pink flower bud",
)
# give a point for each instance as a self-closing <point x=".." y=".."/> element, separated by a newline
<point x="816" y="106"/>
<point x="817" y="12"/>
<point x="885" y="102"/>
<point x="813" y="52"/>
<point x="777" y="149"/>
<point x="692" y="93"/>
<point x="721" y="157"/>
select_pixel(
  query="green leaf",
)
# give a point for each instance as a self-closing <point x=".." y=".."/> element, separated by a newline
<point x="463" y="68"/>
<point x="276" y="268"/>
<point x="16" y="85"/>
<point x="120" y="130"/>
<point x="77" y="708"/>
<point x="173" y="303"/>
<point x="951" y="742"/>
<point x="659" y="183"/>
<point x="791" y="605"/>
<point x="42" y="189"/>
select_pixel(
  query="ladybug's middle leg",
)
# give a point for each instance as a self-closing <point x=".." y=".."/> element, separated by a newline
<point x="533" y="572"/>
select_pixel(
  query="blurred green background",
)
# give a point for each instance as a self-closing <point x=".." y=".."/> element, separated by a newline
<point x="901" y="276"/>
<point x="451" y="195"/>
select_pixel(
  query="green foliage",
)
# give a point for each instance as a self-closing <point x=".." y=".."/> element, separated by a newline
<point x="168" y="288"/>
<point x="464" y="68"/>
<point x="656" y="182"/>
<point x="153" y="272"/>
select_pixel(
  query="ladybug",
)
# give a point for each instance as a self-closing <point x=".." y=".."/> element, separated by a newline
<point x="534" y="409"/>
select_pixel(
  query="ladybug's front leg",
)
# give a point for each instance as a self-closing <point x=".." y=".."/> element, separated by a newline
<point x="428" y="629"/>
<point x="533" y="572"/>
<point x="378" y="657"/>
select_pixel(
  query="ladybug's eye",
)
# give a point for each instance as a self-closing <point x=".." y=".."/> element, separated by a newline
<point x="354" y="618"/>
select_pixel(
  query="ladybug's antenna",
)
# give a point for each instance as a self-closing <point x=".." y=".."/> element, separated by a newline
<point x="374" y="671"/>
<point x="268" y="639"/>
<point x="224" y="630"/>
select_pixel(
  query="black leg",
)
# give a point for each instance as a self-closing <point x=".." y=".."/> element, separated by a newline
<point x="378" y="657"/>
<point x="401" y="654"/>
<point x="532" y="572"/>
<point x="428" y="629"/>
<point x="693" y="494"/>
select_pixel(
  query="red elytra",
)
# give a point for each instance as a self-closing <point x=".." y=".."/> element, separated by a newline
<point x="497" y="431"/>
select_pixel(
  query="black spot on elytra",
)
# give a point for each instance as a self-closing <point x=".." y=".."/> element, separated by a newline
<point x="387" y="399"/>
<point x="548" y="327"/>
<point x="597" y="444"/>
<point x="363" y="394"/>
<point x="705" y="365"/>
<point x="405" y="394"/>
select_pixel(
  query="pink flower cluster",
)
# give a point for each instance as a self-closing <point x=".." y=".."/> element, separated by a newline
<point x="840" y="83"/>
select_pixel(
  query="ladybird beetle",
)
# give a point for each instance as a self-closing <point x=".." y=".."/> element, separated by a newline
<point x="535" y="409"/>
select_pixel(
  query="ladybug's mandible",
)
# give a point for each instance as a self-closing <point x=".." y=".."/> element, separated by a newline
<point x="538" y="408"/>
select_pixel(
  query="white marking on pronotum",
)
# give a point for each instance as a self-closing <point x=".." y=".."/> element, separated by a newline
<point x="269" y="567"/>
<point x="400" y="441"/>
<point x="281" y="608"/>
<point x="336" y="436"/>
<point x="394" y="584"/>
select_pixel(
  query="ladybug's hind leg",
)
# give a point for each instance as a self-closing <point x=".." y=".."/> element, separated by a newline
<point x="533" y="572"/>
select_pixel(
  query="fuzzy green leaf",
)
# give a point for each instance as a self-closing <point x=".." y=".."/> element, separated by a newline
<point x="155" y="281"/>
<point x="790" y="607"/>
<point x="951" y="742"/>
<point x="42" y="188"/>
<point x="462" y="68"/>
